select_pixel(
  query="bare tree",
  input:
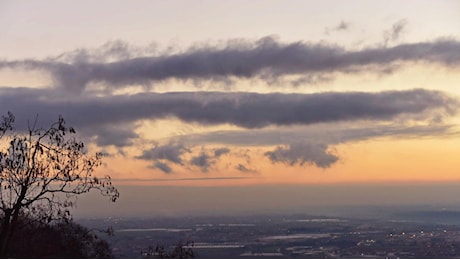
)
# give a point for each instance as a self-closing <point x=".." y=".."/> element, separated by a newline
<point x="42" y="172"/>
<point x="6" y="124"/>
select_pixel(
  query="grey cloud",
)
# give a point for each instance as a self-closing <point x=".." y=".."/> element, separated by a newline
<point x="159" y="155"/>
<point x="266" y="58"/>
<point x="342" y="26"/>
<point x="119" y="136"/>
<point x="173" y="153"/>
<point x="221" y="151"/>
<point x="170" y="152"/>
<point x="249" y="110"/>
<point x="204" y="161"/>
<point x="162" y="166"/>
<point x="326" y="134"/>
<point x="302" y="153"/>
<point x="240" y="167"/>
<point x="395" y="32"/>
<point x="111" y="51"/>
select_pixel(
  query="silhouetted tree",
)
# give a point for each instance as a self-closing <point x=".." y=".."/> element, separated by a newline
<point x="42" y="172"/>
<point x="6" y="123"/>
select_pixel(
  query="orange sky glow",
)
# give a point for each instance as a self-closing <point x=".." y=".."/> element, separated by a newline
<point x="244" y="94"/>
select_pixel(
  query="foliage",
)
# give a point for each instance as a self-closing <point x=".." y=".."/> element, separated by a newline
<point x="42" y="172"/>
<point x="56" y="240"/>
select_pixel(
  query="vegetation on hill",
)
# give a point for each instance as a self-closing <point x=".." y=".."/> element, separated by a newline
<point x="64" y="239"/>
<point x="43" y="170"/>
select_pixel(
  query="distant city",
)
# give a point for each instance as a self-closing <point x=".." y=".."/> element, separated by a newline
<point x="410" y="233"/>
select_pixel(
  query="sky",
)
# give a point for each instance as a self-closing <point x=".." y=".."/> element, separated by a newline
<point x="246" y="94"/>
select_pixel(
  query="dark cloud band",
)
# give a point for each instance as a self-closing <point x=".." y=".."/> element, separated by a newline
<point x="249" y="110"/>
<point x="265" y="58"/>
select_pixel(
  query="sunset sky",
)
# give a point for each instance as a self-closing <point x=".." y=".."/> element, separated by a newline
<point x="243" y="93"/>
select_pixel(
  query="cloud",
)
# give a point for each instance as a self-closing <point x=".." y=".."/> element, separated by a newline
<point x="105" y="135"/>
<point x="266" y="58"/>
<point x="171" y="152"/>
<point x="221" y="151"/>
<point x="111" y="51"/>
<point x="302" y="153"/>
<point x="395" y="32"/>
<point x="204" y="161"/>
<point x="342" y="26"/>
<point x="162" y="166"/>
<point x="240" y="167"/>
<point x="329" y="134"/>
<point x="302" y="145"/>
<point x="248" y="110"/>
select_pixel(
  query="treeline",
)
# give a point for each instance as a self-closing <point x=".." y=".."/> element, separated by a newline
<point x="65" y="239"/>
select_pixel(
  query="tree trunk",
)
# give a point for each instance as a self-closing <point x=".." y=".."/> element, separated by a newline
<point x="9" y="225"/>
<point x="5" y="234"/>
